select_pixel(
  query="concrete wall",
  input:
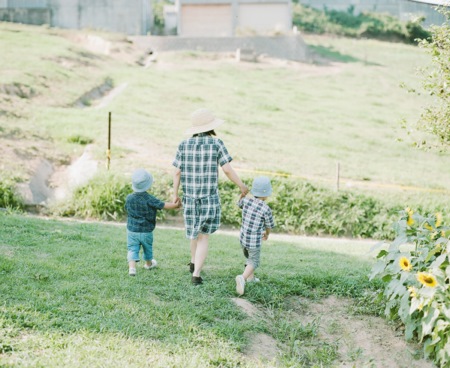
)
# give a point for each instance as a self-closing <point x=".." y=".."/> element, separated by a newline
<point x="281" y="47"/>
<point x="125" y="16"/>
<point x="403" y="9"/>
<point x="27" y="16"/>
<point x="131" y="17"/>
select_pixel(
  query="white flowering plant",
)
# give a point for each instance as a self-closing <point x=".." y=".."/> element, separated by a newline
<point x="415" y="269"/>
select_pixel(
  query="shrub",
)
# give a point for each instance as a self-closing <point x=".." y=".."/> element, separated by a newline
<point x="302" y="208"/>
<point x="8" y="197"/>
<point x="369" y="25"/>
<point x="104" y="198"/>
<point x="417" y="287"/>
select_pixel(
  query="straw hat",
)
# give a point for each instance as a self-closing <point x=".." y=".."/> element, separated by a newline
<point x="141" y="180"/>
<point x="203" y="120"/>
<point x="261" y="187"/>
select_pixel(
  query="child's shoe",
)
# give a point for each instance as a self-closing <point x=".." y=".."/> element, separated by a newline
<point x="153" y="265"/>
<point x="197" y="280"/>
<point x="240" y="284"/>
<point x="191" y="267"/>
<point x="132" y="271"/>
<point x="254" y="279"/>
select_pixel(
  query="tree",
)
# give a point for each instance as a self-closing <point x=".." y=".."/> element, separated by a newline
<point x="435" y="119"/>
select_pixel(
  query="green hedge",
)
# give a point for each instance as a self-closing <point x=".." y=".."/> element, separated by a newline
<point x="8" y="197"/>
<point x="368" y="25"/>
<point x="299" y="207"/>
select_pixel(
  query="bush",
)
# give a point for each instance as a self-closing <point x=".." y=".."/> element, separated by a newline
<point x="417" y="281"/>
<point x="302" y="208"/>
<point x="8" y="197"/>
<point x="369" y="25"/>
<point x="104" y="198"/>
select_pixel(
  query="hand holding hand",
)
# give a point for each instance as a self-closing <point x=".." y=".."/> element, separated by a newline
<point x="244" y="191"/>
<point x="265" y="236"/>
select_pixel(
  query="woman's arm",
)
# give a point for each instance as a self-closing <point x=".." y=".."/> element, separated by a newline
<point x="231" y="174"/>
<point x="176" y="184"/>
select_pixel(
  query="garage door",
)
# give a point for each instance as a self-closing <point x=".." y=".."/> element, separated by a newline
<point x="264" y="18"/>
<point x="206" y="21"/>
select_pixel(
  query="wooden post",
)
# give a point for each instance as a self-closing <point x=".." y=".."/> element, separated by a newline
<point x="108" y="151"/>
<point x="337" y="176"/>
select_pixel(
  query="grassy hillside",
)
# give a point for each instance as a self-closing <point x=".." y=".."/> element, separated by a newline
<point x="282" y="117"/>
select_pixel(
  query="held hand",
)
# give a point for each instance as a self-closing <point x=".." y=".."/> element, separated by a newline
<point x="244" y="191"/>
<point x="265" y="236"/>
<point x="177" y="202"/>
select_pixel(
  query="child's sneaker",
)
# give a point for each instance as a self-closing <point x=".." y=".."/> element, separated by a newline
<point x="132" y="271"/>
<point x="254" y="279"/>
<point x="240" y="284"/>
<point x="153" y="265"/>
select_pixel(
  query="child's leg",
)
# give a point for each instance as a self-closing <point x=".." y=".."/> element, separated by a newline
<point x="249" y="272"/>
<point x="133" y="246"/>
<point x="147" y="247"/>
<point x="252" y="263"/>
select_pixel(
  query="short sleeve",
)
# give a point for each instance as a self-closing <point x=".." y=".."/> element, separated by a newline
<point x="177" y="161"/>
<point x="156" y="203"/>
<point x="268" y="219"/>
<point x="223" y="155"/>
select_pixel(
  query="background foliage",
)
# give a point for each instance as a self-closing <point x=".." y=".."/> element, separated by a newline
<point x="366" y="24"/>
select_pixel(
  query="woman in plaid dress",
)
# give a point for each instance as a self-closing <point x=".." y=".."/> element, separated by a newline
<point x="196" y="168"/>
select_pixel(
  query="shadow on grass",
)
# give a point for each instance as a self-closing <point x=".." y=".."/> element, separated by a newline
<point x="324" y="55"/>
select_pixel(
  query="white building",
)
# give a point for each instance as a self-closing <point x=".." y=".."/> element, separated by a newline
<point x="226" y="18"/>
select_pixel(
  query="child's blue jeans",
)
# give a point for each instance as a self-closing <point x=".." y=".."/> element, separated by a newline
<point x="134" y="243"/>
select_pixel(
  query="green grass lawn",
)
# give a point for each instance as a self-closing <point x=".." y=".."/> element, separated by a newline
<point x="66" y="297"/>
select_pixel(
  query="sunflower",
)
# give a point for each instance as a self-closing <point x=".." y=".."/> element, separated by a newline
<point x="410" y="220"/>
<point x="405" y="264"/>
<point x="428" y="227"/>
<point x="438" y="219"/>
<point x="412" y="292"/>
<point x="427" y="279"/>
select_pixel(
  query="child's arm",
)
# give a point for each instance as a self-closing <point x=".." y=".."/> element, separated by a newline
<point x="172" y="205"/>
<point x="266" y="234"/>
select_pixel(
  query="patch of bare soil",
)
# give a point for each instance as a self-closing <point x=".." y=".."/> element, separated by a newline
<point x="363" y="341"/>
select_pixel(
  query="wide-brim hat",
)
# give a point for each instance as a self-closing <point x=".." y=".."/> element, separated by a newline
<point x="203" y="120"/>
<point x="261" y="187"/>
<point x="141" y="180"/>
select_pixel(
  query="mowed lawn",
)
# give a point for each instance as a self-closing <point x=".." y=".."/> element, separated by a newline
<point x="67" y="299"/>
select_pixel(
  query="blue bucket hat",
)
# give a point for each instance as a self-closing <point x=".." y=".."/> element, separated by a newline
<point x="141" y="180"/>
<point x="261" y="187"/>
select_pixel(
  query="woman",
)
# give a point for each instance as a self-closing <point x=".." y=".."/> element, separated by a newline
<point x="197" y="161"/>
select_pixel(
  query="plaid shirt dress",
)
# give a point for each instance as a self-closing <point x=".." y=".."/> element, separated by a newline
<point x="256" y="217"/>
<point x="199" y="158"/>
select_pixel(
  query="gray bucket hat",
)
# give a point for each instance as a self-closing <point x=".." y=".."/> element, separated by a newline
<point x="141" y="180"/>
<point x="261" y="187"/>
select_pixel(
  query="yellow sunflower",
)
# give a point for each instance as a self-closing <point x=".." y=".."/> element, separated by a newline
<point x="412" y="292"/>
<point x="438" y="219"/>
<point x="428" y="227"/>
<point x="405" y="264"/>
<point x="410" y="220"/>
<point x="427" y="279"/>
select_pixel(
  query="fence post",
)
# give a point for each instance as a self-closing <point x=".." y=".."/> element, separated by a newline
<point x="337" y="175"/>
<point x="108" y="151"/>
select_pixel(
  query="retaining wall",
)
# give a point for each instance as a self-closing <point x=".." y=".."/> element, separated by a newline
<point x="281" y="47"/>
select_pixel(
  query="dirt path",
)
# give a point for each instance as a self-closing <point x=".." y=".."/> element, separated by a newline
<point x="361" y="341"/>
